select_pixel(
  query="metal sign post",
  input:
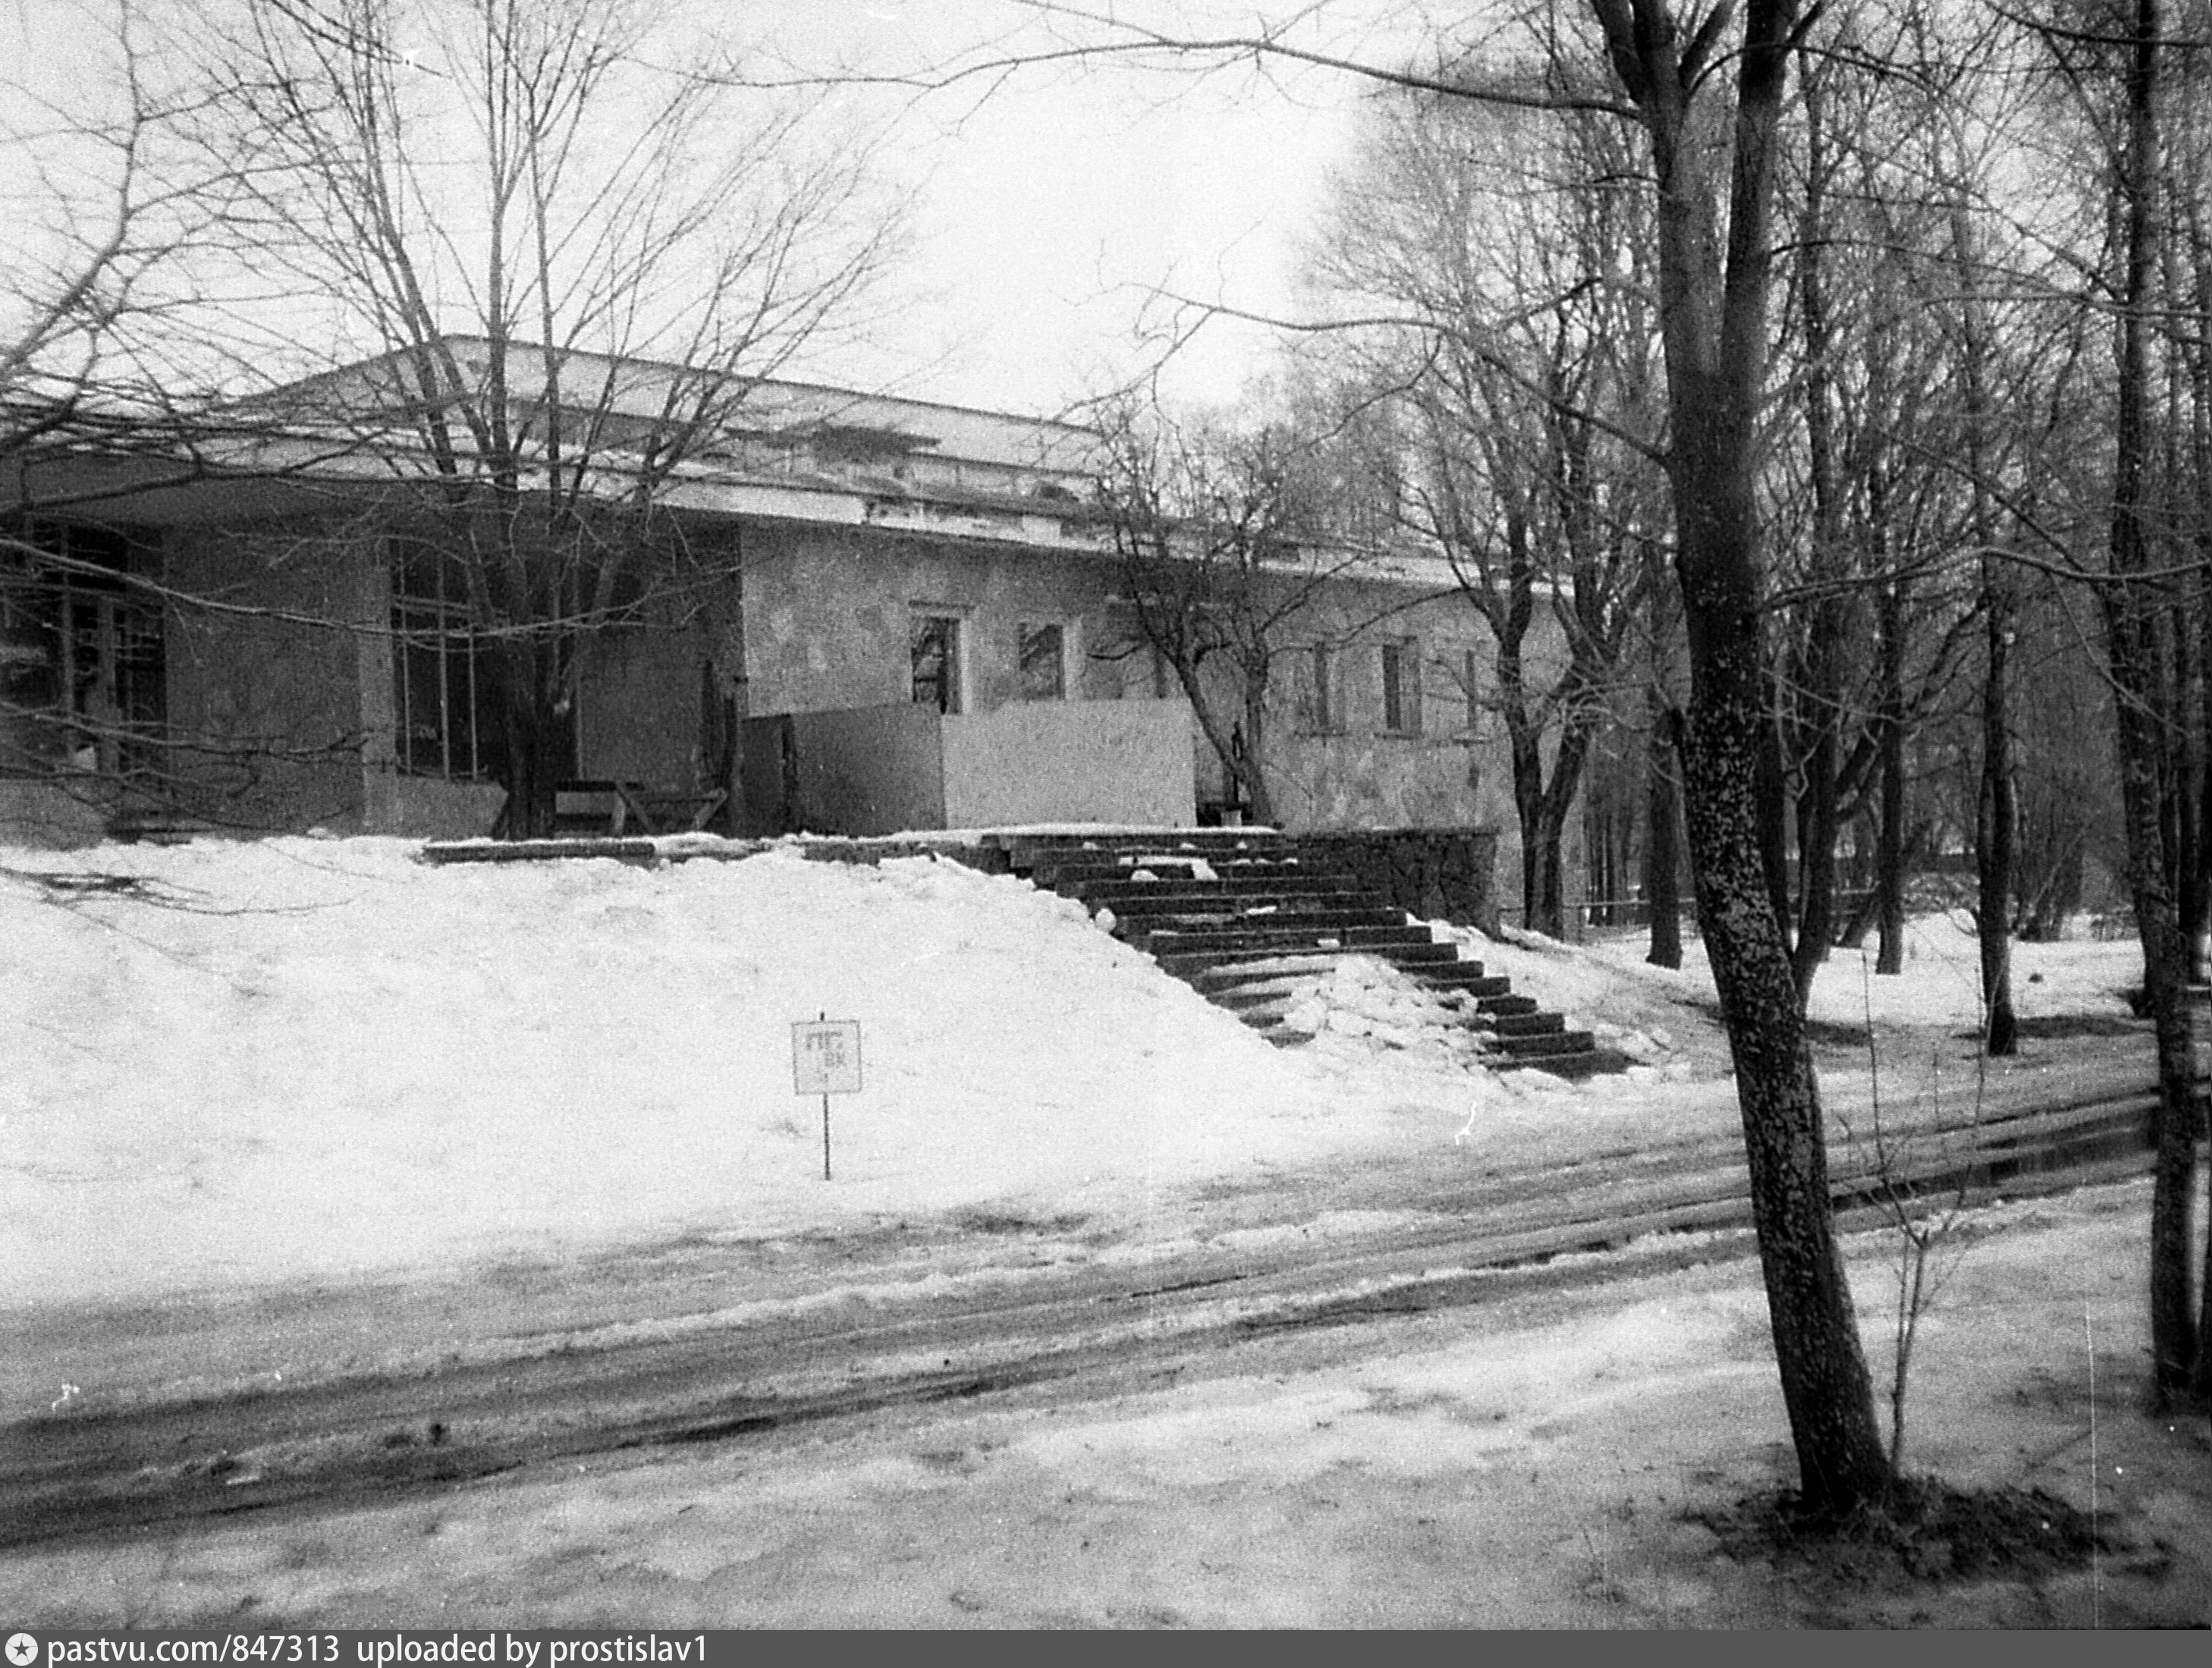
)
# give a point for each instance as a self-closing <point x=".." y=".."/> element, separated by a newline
<point x="825" y="1060"/>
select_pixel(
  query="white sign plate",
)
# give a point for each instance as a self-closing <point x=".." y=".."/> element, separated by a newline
<point x="825" y="1057"/>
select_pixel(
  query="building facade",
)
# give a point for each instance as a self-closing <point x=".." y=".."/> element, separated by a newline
<point x="915" y="618"/>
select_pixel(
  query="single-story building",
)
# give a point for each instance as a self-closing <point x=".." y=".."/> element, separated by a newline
<point x="916" y="619"/>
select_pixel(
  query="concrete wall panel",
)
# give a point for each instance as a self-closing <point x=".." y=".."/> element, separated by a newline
<point x="876" y="770"/>
<point x="1070" y="761"/>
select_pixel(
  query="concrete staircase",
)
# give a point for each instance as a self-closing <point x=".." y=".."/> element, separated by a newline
<point x="1245" y="915"/>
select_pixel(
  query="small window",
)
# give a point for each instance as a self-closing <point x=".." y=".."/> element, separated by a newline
<point x="1043" y="662"/>
<point x="1402" y="686"/>
<point x="1319" y="701"/>
<point x="936" y="661"/>
<point x="1470" y="679"/>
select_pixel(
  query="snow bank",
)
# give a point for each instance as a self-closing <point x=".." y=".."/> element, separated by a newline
<point x="1940" y="987"/>
<point x="237" y="1062"/>
<point x="308" y="1058"/>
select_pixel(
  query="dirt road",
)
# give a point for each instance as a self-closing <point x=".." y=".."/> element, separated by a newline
<point x="240" y="1401"/>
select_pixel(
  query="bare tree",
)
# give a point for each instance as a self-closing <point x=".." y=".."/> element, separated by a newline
<point x="1714" y="276"/>
<point x="1226" y="542"/>
<point x="572" y="272"/>
<point x="1705" y="86"/>
<point x="2137" y="619"/>
<point x="1504" y="257"/>
<point x="109" y="211"/>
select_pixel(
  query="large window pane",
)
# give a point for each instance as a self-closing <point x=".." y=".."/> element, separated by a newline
<point x="80" y="672"/>
<point x="445" y="721"/>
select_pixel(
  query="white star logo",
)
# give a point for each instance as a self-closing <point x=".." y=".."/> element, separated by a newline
<point x="22" y="1650"/>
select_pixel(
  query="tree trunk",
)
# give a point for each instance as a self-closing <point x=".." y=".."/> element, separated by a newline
<point x="1251" y="767"/>
<point x="1714" y="327"/>
<point x="2130" y="624"/>
<point x="1663" y="845"/>
<point x="1773" y="810"/>
<point x="1825" y="1382"/>
<point x="1819" y="671"/>
<point x="2177" y="1367"/>
<point x="1552" y="809"/>
<point x="1817" y="822"/>
<point x="1892" y="856"/>
<point x="537" y="742"/>
<point x="1994" y="849"/>
<point x="1997" y="804"/>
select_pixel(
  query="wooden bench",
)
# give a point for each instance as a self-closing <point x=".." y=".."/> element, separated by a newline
<point x="620" y="808"/>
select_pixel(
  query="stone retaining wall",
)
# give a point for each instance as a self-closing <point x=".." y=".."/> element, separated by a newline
<point x="1438" y="874"/>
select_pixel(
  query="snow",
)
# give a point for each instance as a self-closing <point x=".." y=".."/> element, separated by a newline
<point x="1940" y="987"/>
<point x="237" y="1066"/>
<point x="236" y="1062"/>
<point x="299" y="1057"/>
<point x="1529" y="1463"/>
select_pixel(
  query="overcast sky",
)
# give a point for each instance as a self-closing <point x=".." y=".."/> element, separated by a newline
<point x="1053" y="205"/>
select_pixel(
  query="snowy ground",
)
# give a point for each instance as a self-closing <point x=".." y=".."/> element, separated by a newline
<point x="1535" y="1463"/>
<point x="231" y="1062"/>
<point x="240" y="1071"/>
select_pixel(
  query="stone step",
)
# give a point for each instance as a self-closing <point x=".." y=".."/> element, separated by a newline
<point x="1117" y="894"/>
<point x="1185" y="963"/>
<point x="1179" y="870"/>
<point x="1530" y="1024"/>
<point x="1546" y="1044"/>
<point x="1136" y="924"/>
<point x="1504" y="1002"/>
<point x="1239" y="972"/>
<point x="1269" y="913"/>
<point x="1147" y="839"/>
<point x="1131" y="854"/>
<point x="1260" y="994"/>
<point x="1167" y="941"/>
<point x="1467" y="976"/>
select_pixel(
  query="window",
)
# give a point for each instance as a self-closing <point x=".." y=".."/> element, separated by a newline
<point x="1402" y="686"/>
<point x="81" y="677"/>
<point x="445" y="720"/>
<point x="1470" y="684"/>
<point x="1042" y="652"/>
<point x="1319" y="702"/>
<point x="936" y="661"/>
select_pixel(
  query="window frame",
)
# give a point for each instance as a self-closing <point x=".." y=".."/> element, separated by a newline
<point x="1399" y="666"/>
<point x="1063" y="657"/>
<point x="1320" y="690"/>
<point x="103" y="648"/>
<point x="952" y="682"/>
<point x="442" y="628"/>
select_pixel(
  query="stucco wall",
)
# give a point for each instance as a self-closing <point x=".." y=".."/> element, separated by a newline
<point x="828" y="623"/>
<point x="823" y="627"/>
<point x="829" y="615"/>
<point x="1070" y="761"/>
<point x="424" y="807"/>
<point x="1454" y="770"/>
<point x="268" y="706"/>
